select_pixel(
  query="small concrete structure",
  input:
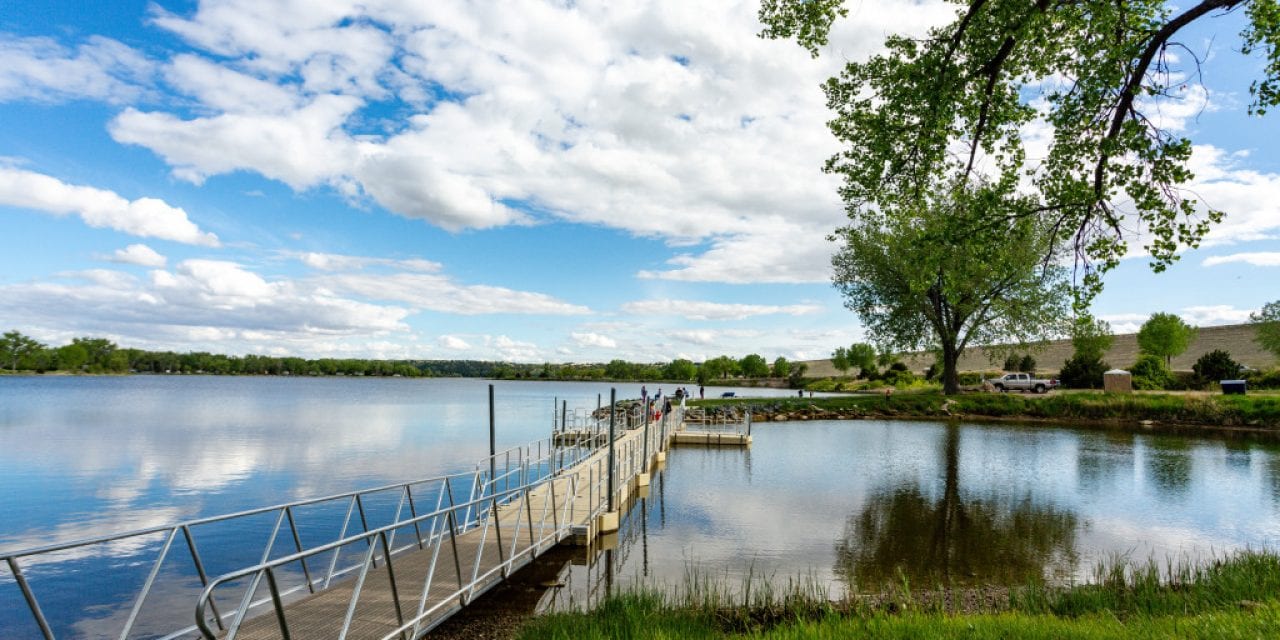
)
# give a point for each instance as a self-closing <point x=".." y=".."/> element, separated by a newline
<point x="1117" y="381"/>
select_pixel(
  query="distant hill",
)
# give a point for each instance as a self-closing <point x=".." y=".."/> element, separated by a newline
<point x="1236" y="339"/>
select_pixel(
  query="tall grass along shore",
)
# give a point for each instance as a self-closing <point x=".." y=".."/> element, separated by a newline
<point x="1234" y="597"/>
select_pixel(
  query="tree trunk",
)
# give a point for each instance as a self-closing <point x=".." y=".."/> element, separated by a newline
<point x="950" y="375"/>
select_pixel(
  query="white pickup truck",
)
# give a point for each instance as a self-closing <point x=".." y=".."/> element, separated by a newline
<point x="1022" y="382"/>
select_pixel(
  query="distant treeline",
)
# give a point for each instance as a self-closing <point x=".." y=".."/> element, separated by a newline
<point x="99" y="355"/>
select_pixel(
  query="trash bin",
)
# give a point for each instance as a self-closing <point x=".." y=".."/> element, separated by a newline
<point x="1232" y="387"/>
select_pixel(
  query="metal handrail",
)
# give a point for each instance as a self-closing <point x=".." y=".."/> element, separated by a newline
<point x="514" y="472"/>
<point x="442" y="485"/>
<point x="494" y="500"/>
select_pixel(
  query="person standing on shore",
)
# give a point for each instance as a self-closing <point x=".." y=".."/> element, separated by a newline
<point x="702" y="392"/>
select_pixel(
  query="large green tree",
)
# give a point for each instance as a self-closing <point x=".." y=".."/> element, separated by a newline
<point x="957" y="101"/>
<point x="1165" y="335"/>
<point x="14" y="346"/>
<point x="900" y="273"/>
<point x="862" y="356"/>
<point x="1267" y="325"/>
<point x="754" y="366"/>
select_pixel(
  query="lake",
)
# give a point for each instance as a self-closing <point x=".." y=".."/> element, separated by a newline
<point x="846" y="504"/>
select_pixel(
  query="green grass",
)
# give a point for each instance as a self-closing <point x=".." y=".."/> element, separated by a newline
<point x="1189" y="408"/>
<point x="1238" y="597"/>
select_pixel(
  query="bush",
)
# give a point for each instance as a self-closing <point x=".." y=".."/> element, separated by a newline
<point x="1083" y="372"/>
<point x="1011" y="362"/>
<point x="932" y="372"/>
<point x="1027" y="364"/>
<point x="1216" y="365"/>
<point x="1263" y="379"/>
<point x="898" y="366"/>
<point x="1151" y="373"/>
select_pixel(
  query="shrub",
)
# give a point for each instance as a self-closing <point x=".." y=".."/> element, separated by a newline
<point x="1216" y="365"/>
<point x="1011" y="362"/>
<point x="1027" y="364"/>
<point x="933" y="372"/>
<point x="1269" y="379"/>
<point x="898" y="366"/>
<point x="1083" y="372"/>
<point x="1151" y="373"/>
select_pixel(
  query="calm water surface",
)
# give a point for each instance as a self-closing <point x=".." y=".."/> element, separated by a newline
<point x="844" y="503"/>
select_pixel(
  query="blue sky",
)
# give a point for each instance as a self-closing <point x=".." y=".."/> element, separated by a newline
<point x="526" y="180"/>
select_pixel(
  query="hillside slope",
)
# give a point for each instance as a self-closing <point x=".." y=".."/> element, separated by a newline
<point x="1236" y="339"/>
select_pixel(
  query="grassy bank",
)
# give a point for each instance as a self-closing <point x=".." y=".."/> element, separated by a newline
<point x="1209" y="410"/>
<point x="1234" y="598"/>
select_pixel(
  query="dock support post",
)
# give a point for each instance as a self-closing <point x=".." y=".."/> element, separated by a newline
<point x="493" y="443"/>
<point x="609" y="520"/>
<point x="564" y="413"/>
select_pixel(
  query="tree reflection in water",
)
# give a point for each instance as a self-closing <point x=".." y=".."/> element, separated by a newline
<point x="1003" y="539"/>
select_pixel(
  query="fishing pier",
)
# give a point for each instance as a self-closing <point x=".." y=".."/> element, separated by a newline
<point x="392" y="561"/>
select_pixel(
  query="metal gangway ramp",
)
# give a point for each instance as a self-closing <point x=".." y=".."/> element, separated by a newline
<point x="448" y="540"/>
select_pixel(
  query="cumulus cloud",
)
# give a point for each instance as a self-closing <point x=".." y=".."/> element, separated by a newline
<point x="138" y="254"/>
<point x="1257" y="259"/>
<point x="646" y="118"/>
<point x="1250" y="198"/>
<point x="699" y="310"/>
<point x="440" y="293"/>
<point x="146" y="217"/>
<point x="339" y="262"/>
<point x="453" y="343"/>
<point x="198" y="301"/>
<point x="589" y="339"/>
<point x="1212" y="315"/>
<point x="43" y="70"/>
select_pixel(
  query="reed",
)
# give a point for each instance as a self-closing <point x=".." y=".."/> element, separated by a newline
<point x="1236" y="596"/>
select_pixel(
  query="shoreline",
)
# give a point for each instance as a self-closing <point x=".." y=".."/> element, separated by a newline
<point x="1181" y="414"/>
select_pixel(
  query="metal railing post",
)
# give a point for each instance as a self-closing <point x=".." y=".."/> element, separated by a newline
<point x="493" y="446"/>
<point x="30" y="597"/>
<point x="613" y="402"/>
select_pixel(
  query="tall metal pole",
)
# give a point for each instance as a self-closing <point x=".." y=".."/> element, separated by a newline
<point x="564" y="412"/>
<point x="613" y="402"/>
<point x="493" y="443"/>
<point x="646" y="440"/>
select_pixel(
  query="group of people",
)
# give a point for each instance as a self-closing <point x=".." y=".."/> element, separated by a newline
<point x="662" y="404"/>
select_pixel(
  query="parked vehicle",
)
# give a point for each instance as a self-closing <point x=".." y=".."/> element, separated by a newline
<point x="1023" y="382"/>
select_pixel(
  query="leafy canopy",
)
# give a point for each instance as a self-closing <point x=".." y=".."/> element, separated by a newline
<point x="1165" y="335"/>
<point x="1267" y="327"/>
<point x="903" y="278"/>
<point x="958" y="101"/>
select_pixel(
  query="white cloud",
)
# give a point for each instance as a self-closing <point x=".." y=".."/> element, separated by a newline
<point x="580" y="111"/>
<point x="43" y="70"/>
<point x="146" y="217"/>
<point x="138" y="254"/>
<point x="699" y="310"/>
<point x="513" y="350"/>
<point x="453" y="343"/>
<point x="1257" y="259"/>
<point x="210" y="304"/>
<point x="1212" y="315"/>
<point x="339" y="262"/>
<point x="589" y="339"/>
<point x="439" y="293"/>
<point x="781" y="252"/>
